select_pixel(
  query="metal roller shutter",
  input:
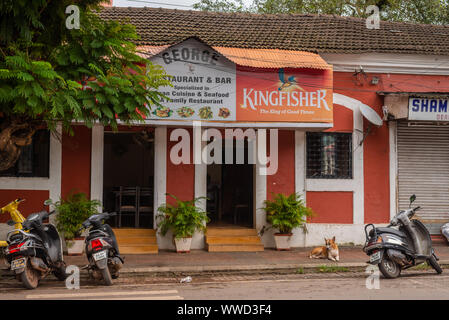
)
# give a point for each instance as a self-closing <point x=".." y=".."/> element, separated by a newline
<point x="423" y="169"/>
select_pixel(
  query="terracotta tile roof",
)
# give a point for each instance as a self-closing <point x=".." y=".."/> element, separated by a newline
<point x="257" y="58"/>
<point x="303" y="32"/>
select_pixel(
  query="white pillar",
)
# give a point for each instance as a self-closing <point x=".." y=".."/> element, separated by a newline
<point x="55" y="165"/>
<point x="160" y="179"/>
<point x="300" y="163"/>
<point x="260" y="195"/>
<point x="299" y="237"/>
<point x="200" y="189"/>
<point x="97" y="154"/>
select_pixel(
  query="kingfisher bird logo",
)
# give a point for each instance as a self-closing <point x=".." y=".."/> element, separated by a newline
<point x="291" y="81"/>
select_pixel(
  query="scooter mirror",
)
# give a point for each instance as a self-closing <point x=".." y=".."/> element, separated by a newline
<point x="48" y="202"/>
<point x="412" y="199"/>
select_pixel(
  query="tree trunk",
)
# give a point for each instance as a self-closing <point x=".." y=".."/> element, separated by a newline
<point x="14" y="134"/>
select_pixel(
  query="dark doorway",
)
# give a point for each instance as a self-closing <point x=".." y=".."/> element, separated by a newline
<point x="230" y="193"/>
<point x="128" y="173"/>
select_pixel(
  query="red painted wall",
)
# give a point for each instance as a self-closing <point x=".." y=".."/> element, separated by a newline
<point x="284" y="179"/>
<point x="331" y="207"/>
<point x="76" y="157"/>
<point x="343" y="119"/>
<point x="376" y="170"/>
<point x="180" y="178"/>
<point x="376" y="145"/>
<point x="413" y="83"/>
<point x="34" y="201"/>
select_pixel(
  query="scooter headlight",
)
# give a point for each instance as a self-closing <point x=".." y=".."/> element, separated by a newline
<point x="393" y="240"/>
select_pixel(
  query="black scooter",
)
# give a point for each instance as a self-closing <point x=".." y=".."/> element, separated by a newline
<point x="404" y="243"/>
<point x="102" y="249"/>
<point x="35" y="251"/>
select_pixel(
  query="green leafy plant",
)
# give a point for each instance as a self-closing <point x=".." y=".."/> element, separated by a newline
<point x="72" y="212"/>
<point x="285" y="213"/>
<point x="52" y="75"/>
<point x="183" y="218"/>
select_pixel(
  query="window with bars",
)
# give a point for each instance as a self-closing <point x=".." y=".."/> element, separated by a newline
<point x="329" y="155"/>
<point x="34" y="158"/>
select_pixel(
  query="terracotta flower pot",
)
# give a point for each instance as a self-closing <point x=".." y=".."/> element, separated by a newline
<point x="282" y="241"/>
<point x="183" y="244"/>
<point x="75" y="247"/>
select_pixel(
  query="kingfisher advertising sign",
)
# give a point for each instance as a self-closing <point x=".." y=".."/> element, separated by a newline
<point x="207" y="86"/>
<point x="428" y="109"/>
<point x="293" y="95"/>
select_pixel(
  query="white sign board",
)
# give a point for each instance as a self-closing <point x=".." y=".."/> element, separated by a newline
<point x="428" y="109"/>
<point x="204" y="84"/>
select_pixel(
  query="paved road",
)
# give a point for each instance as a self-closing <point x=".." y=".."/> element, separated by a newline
<point x="411" y="285"/>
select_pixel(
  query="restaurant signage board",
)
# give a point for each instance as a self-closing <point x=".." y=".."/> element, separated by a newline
<point x="207" y="86"/>
<point x="203" y="84"/>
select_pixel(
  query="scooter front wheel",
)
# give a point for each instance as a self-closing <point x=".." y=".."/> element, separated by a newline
<point x="434" y="264"/>
<point x="389" y="268"/>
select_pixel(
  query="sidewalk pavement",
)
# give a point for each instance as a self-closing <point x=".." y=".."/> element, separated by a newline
<point x="270" y="259"/>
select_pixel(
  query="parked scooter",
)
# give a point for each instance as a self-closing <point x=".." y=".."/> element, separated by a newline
<point x="16" y="217"/>
<point x="404" y="243"/>
<point x="13" y="209"/>
<point x="102" y="249"/>
<point x="35" y="251"/>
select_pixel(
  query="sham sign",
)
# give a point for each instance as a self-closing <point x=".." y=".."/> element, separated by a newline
<point x="428" y="109"/>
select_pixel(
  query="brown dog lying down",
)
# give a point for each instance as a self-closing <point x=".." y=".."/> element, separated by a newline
<point x="329" y="251"/>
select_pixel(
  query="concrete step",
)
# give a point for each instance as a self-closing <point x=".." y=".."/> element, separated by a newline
<point x="136" y="240"/>
<point x="129" y="232"/>
<point x="232" y="240"/>
<point x="138" y="249"/>
<point x="235" y="247"/>
<point x="231" y="232"/>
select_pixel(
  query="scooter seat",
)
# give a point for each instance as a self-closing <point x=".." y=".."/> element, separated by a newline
<point x="389" y="230"/>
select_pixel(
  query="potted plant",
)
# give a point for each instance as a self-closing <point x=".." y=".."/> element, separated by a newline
<point x="71" y="213"/>
<point x="285" y="213"/>
<point x="183" y="218"/>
